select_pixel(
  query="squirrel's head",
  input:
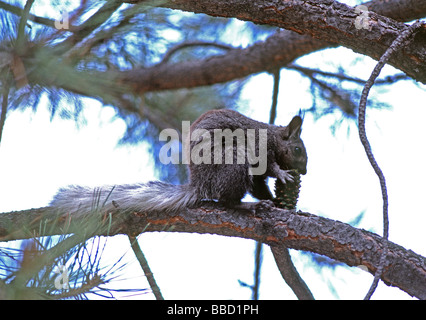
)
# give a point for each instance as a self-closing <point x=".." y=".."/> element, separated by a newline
<point x="291" y="150"/>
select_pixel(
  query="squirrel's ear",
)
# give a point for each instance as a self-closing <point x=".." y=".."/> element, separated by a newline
<point x="293" y="129"/>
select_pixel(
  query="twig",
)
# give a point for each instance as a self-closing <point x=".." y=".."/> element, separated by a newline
<point x="145" y="267"/>
<point x="99" y="35"/>
<point x="18" y="11"/>
<point x="183" y="45"/>
<point x="4" y="104"/>
<point x="259" y="244"/>
<point x="30" y="270"/>
<point x="20" y="41"/>
<point x="401" y="40"/>
<point x="289" y="273"/>
<point x="88" y="26"/>
<point x="86" y="287"/>
<point x="258" y="265"/>
<point x="309" y="72"/>
<point x="281" y="253"/>
<point x="273" y="113"/>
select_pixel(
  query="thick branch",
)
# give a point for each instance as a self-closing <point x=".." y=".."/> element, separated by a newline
<point x="405" y="10"/>
<point x="328" y="21"/>
<point x="301" y="231"/>
<point x="277" y="51"/>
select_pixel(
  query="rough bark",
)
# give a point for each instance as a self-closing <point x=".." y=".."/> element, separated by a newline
<point x="405" y="10"/>
<point x="277" y="51"/>
<point x="324" y="24"/>
<point x="326" y="20"/>
<point x="302" y="231"/>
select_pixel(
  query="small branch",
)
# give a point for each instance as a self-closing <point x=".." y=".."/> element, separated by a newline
<point x="88" y="26"/>
<point x="99" y="36"/>
<point x="4" y="104"/>
<point x="86" y="287"/>
<point x="281" y="253"/>
<point x="184" y="45"/>
<point x="145" y="267"/>
<point x="309" y="72"/>
<point x="20" y="41"/>
<point x="257" y="267"/>
<point x="275" y="52"/>
<point x="46" y="257"/>
<point x="396" y="44"/>
<point x="290" y="274"/>
<point x="259" y="244"/>
<point x="328" y="20"/>
<point x="273" y="113"/>
<point x="18" y="11"/>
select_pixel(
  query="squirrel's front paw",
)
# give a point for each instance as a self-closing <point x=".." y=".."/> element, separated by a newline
<point x="285" y="175"/>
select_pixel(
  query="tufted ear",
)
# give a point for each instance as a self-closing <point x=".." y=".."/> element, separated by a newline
<point x="293" y="129"/>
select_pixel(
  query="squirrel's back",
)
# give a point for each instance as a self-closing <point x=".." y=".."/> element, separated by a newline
<point x="219" y="179"/>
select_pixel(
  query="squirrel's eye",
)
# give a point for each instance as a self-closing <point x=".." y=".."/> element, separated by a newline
<point x="297" y="151"/>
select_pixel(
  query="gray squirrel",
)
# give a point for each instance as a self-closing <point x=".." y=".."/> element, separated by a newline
<point x="226" y="183"/>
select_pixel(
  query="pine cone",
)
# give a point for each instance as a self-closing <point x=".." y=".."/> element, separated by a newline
<point x="286" y="195"/>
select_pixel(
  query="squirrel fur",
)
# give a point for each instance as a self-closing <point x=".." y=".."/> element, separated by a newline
<point x="225" y="183"/>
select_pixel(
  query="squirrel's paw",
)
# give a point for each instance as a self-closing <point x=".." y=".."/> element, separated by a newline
<point x="285" y="175"/>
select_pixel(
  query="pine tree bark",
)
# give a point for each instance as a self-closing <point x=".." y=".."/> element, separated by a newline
<point x="301" y="231"/>
<point x="324" y="24"/>
<point x="325" y="20"/>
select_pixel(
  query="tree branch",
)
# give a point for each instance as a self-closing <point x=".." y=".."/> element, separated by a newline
<point x="275" y="52"/>
<point x="188" y="44"/>
<point x="406" y="10"/>
<point x="19" y="12"/>
<point x="325" y="20"/>
<point x="301" y="231"/>
<point x="396" y="45"/>
<point x="285" y="46"/>
<point x="21" y="37"/>
<point x="145" y="267"/>
<point x="87" y="27"/>
<point x="289" y="272"/>
<point x="281" y="253"/>
<point x="4" y="103"/>
<point x="273" y="113"/>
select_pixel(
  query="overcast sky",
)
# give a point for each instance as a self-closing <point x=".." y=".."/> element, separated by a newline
<point x="37" y="156"/>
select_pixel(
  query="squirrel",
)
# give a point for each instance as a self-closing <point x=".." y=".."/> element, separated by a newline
<point x="281" y="149"/>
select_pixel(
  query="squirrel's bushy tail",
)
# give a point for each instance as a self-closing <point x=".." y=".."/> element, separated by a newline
<point x="150" y="196"/>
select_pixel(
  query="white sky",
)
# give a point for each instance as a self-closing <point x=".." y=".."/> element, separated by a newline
<point x="38" y="156"/>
